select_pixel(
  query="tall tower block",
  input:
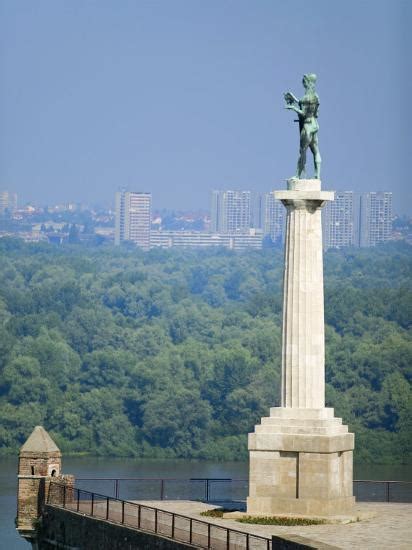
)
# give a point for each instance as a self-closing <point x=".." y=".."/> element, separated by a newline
<point x="301" y="455"/>
<point x="133" y="218"/>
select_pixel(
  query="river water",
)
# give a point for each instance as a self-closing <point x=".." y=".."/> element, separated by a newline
<point x="116" y="468"/>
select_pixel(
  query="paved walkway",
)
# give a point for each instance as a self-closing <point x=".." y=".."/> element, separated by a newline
<point x="391" y="528"/>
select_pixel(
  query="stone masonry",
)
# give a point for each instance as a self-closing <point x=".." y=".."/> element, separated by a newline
<point x="39" y="463"/>
<point x="301" y="455"/>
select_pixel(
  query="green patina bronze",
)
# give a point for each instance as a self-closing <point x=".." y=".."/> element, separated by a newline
<point x="307" y="110"/>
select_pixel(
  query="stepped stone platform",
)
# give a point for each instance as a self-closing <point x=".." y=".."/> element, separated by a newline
<point x="300" y="463"/>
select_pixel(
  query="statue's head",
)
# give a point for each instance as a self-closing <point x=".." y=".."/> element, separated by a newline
<point x="309" y="80"/>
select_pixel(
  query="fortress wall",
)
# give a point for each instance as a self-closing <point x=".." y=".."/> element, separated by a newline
<point x="69" y="530"/>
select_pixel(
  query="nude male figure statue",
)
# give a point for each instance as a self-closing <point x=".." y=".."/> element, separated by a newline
<point x="307" y="110"/>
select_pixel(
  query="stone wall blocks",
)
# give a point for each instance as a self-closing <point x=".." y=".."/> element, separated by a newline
<point x="306" y="506"/>
<point x="315" y="422"/>
<point x="301" y="443"/>
<point x="333" y="429"/>
<point x="301" y="413"/>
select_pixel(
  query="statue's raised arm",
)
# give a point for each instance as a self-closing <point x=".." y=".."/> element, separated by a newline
<point x="307" y="110"/>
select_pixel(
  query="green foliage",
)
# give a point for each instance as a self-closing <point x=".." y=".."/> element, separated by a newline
<point x="264" y="520"/>
<point x="177" y="353"/>
<point x="280" y="520"/>
<point x="215" y="513"/>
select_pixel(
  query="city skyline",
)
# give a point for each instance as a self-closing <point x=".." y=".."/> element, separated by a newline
<point x="179" y="99"/>
<point x="237" y="219"/>
<point x="110" y="204"/>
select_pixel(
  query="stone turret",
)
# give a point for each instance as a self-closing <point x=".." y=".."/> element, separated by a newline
<point x="40" y="455"/>
<point x="39" y="462"/>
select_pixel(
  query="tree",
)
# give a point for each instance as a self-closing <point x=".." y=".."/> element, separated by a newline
<point x="178" y="352"/>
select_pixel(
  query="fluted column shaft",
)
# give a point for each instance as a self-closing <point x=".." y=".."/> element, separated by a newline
<point x="303" y="337"/>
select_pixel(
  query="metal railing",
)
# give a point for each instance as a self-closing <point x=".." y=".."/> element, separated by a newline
<point x="225" y="490"/>
<point x="201" y="489"/>
<point x="154" y="520"/>
<point x="368" y="490"/>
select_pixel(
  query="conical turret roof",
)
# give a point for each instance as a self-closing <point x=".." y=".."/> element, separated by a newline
<point x="39" y="441"/>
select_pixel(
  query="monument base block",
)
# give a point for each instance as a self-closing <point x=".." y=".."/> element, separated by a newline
<point x="301" y="462"/>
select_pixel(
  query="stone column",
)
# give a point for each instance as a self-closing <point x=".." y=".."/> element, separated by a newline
<point x="301" y="455"/>
<point x="303" y="347"/>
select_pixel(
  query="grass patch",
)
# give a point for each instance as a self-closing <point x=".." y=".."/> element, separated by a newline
<point x="215" y="513"/>
<point x="280" y="521"/>
<point x="264" y="520"/>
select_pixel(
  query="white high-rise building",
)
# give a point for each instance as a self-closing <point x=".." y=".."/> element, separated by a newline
<point x="274" y="217"/>
<point x="375" y="219"/>
<point x="339" y="220"/>
<point x="215" y="207"/>
<point x="8" y="202"/>
<point x="133" y="218"/>
<point x="231" y="212"/>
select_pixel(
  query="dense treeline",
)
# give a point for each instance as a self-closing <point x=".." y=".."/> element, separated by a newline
<point x="177" y="353"/>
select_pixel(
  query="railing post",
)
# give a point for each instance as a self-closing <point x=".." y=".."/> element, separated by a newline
<point x="268" y="545"/>
<point x="173" y="526"/>
<point x="228" y="539"/>
<point x="387" y="491"/>
<point x="64" y="496"/>
<point x="207" y="490"/>
<point x="247" y="541"/>
<point x="107" y="507"/>
<point x="155" y="529"/>
<point x="162" y="489"/>
<point x="190" y="530"/>
<point x="138" y="516"/>
<point x="92" y="512"/>
<point x="122" y="512"/>
<point x="116" y="488"/>
<point x="208" y="535"/>
<point x="78" y="499"/>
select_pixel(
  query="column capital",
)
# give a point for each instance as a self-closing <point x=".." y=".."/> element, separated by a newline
<point x="305" y="195"/>
<point x="304" y="200"/>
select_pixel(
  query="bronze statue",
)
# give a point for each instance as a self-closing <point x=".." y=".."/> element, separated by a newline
<point x="307" y="110"/>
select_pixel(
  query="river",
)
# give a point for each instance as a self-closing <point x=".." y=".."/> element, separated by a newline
<point x="116" y="467"/>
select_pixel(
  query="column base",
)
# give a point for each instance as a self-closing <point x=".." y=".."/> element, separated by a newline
<point x="301" y="462"/>
<point x="312" y="507"/>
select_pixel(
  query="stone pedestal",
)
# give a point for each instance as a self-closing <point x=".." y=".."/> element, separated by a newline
<point x="301" y="455"/>
<point x="300" y="463"/>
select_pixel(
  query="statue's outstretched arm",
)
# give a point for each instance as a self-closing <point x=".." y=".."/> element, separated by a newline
<point x="296" y="109"/>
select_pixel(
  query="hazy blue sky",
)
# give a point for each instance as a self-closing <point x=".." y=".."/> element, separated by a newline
<point x="178" y="97"/>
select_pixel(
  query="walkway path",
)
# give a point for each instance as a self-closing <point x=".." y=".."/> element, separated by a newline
<point x="391" y="528"/>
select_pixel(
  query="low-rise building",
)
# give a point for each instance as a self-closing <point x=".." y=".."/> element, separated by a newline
<point x="194" y="239"/>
